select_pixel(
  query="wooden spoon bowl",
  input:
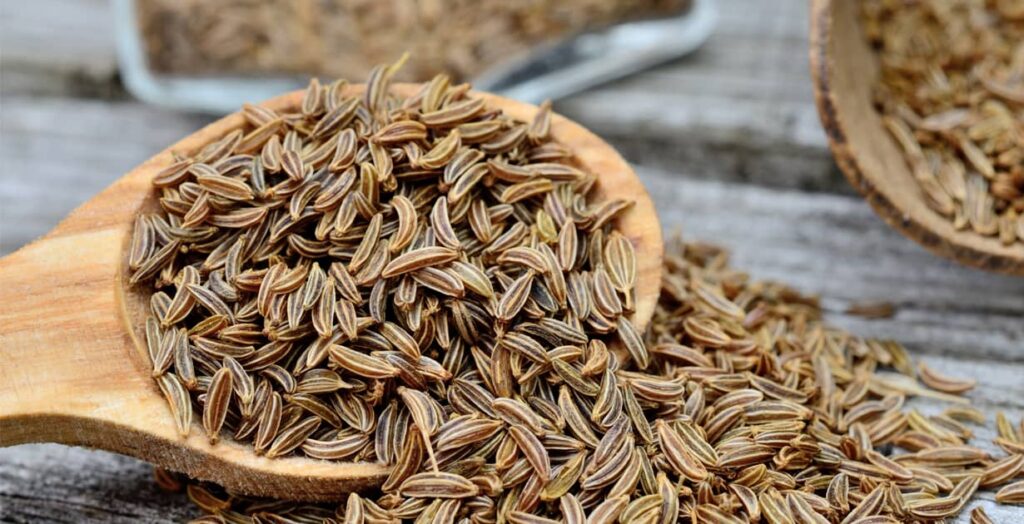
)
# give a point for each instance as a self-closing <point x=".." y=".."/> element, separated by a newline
<point x="74" y="370"/>
<point x="844" y="69"/>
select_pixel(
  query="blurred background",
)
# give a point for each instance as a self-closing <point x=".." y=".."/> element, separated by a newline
<point x="738" y="108"/>
<point x="710" y="100"/>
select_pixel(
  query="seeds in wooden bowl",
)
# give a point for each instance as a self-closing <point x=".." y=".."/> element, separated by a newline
<point x="751" y="409"/>
<point x="951" y="92"/>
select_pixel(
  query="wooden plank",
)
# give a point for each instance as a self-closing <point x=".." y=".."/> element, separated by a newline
<point x="58" y="38"/>
<point x="740" y="109"/>
<point x="964" y="322"/>
<point x="58" y="152"/>
<point x="50" y="483"/>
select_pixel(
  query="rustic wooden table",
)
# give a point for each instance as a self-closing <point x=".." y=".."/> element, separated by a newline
<point x="727" y="141"/>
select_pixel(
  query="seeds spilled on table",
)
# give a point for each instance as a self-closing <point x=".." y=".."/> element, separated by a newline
<point x="751" y="410"/>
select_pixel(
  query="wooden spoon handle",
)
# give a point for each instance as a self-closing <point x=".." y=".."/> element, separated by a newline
<point x="71" y="371"/>
<point x="61" y="333"/>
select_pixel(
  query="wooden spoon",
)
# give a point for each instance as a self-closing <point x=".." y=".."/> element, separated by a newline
<point x="73" y="369"/>
<point x="844" y="69"/>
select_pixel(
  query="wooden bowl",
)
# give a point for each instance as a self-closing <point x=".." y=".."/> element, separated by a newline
<point x="844" y="69"/>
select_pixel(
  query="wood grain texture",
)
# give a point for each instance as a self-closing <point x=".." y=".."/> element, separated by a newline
<point x="50" y="483"/>
<point x="70" y="330"/>
<point x="58" y="152"/>
<point x="833" y="246"/>
<point x="845" y="69"/>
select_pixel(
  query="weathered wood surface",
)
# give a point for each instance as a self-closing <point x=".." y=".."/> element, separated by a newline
<point x="739" y="111"/>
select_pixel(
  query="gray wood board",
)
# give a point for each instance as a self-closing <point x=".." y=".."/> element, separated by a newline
<point x="55" y="153"/>
<point x="961" y="321"/>
<point x="58" y="46"/>
<point x="739" y="109"/>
